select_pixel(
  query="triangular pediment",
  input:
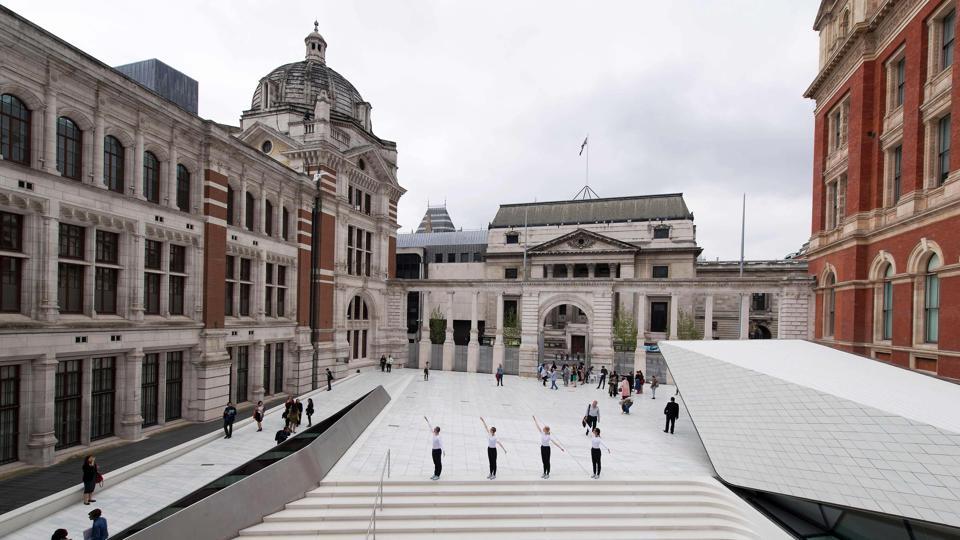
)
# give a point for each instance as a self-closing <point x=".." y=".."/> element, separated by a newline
<point x="584" y="241"/>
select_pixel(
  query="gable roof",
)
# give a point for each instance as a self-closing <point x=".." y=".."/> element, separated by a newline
<point x="615" y="245"/>
<point x="668" y="206"/>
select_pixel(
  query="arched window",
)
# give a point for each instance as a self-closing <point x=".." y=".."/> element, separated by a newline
<point x="113" y="164"/>
<point x="931" y="301"/>
<point x="151" y="177"/>
<point x="887" y="305"/>
<point x="69" y="148"/>
<point x="183" y="188"/>
<point x="268" y="210"/>
<point x="250" y="211"/>
<point x="230" y="205"/>
<point x="358" y="327"/>
<point x="14" y="129"/>
<point x="829" y="305"/>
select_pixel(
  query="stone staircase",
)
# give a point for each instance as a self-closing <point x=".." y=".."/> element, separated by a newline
<point x="668" y="509"/>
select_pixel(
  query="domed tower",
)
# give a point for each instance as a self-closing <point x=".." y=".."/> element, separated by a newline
<point x="311" y="118"/>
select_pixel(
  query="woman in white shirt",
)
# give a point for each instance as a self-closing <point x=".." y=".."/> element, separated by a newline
<point x="437" y="451"/>
<point x="545" y="441"/>
<point x="595" y="453"/>
<point x="492" y="443"/>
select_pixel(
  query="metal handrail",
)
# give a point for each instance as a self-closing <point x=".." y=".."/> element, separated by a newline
<point x="378" y="500"/>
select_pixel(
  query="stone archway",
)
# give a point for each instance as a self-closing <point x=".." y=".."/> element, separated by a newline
<point x="565" y="328"/>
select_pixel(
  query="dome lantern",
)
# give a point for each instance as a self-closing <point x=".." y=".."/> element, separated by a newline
<point x="316" y="45"/>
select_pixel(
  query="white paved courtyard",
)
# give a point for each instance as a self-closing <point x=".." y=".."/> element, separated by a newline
<point x="455" y="401"/>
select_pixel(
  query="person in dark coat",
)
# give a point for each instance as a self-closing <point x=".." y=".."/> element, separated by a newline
<point x="90" y="474"/>
<point x="60" y="534"/>
<point x="383" y="363"/>
<point x="329" y="380"/>
<point x="229" y="415"/>
<point x="282" y="435"/>
<point x="603" y="377"/>
<point x="309" y="411"/>
<point x="671" y="411"/>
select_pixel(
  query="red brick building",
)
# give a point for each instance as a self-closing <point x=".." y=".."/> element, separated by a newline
<point x="885" y="239"/>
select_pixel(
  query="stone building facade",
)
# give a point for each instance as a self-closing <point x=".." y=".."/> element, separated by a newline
<point x="886" y="186"/>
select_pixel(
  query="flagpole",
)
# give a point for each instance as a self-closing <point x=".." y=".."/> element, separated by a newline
<point x="743" y="228"/>
<point x="588" y="161"/>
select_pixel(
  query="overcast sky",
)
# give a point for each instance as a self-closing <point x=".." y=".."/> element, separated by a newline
<point x="489" y="101"/>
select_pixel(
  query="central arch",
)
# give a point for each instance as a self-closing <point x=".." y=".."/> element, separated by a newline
<point x="564" y="327"/>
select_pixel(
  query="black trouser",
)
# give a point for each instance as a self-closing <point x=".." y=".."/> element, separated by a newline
<point x="595" y="458"/>
<point x="492" y="458"/>
<point x="669" y="425"/>
<point x="426" y="375"/>
<point x="437" y="465"/>
<point x="383" y="367"/>
<point x="603" y="378"/>
<point x="499" y="380"/>
<point x="228" y="429"/>
<point x="309" y="418"/>
<point x="389" y="368"/>
<point x="591" y="422"/>
<point x="329" y="385"/>
<point x="545" y="458"/>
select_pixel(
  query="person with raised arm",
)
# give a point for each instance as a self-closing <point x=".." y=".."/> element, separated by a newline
<point x="595" y="453"/>
<point x="492" y="443"/>
<point x="438" y="452"/>
<point x="545" y="441"/>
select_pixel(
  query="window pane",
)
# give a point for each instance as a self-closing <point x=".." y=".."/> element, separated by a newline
<point x="149" y="388"/>
<point x="9" y="413"/>
<point x="151" y="177"/>
<point x="152" y="257"/>
<point x="113" y="164"/>
<point x="183" y="188"/>
<point x="11" y="231"/>
<point x="70" y="288"/>
<point x="107" y="247"/>
<point x="174" y="396"/>
<point x="10" y="284"/>
<point x="176" y="293"/>
<point x="105" y="299"/>
<point x="69" y="145"/>
<point x="151" y="294"/>
<point x="66" y="412"/>
<point x="14" y="129"/>
<point x="278" y="369"/>
<point x="242" y="367"/>
<point x="102" y="398"/>
<point x="178" y="258"/>
<point x="71" y="241"/>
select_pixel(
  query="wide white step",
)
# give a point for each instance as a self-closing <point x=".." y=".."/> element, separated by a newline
<point x="508" y="500"/>
<point x="525" y="535"/>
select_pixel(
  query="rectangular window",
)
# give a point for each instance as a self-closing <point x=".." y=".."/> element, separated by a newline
<point x="943" y="156"/>
<point x="268" y="297"/>
<point x="464" y="257"/>
<point x="102" y="398"/>
<point x="438" y="257"/>
<point x="151" y="293"/>
<point x="245" y="286"/>
<point x="931" y="308"/>
<point x="228" y="307"/>
<point x="267" y="367"/>
<point x="151" y="256"/>
<point x="268" y="222"/>
<point x="658" y="316"/>
<point x="510" y="273"/>
<point x="178" y="258"/>
<point x="285" y="224"/>
<point x="900" y="76"/>
<point x="366" y="203"/>
<point x="837" y="129"/>
<point x="149" y="388"/>
<point x="278" y="369"/>
<point x="107" y="247"/>
<point x="513" y="238"/>
<point x="66" y="412"/>
<point x="71" y="241"/>
<point x="11" y="278"/>
<point x="759" y="302"/>
<point x="451" y="257"/>
<point x="477" y="257"/>
<point x="250" y="211"/>
<point x="243" y="368"/>
<point x="174" y="398"/>
<point x="11" y="232"/>
<point x="661" y="272"/>
<point x="887" y="310"/>
<point x="897" y="169"/>
<point x="281" y="291"/>
<point x="368" y="245"/>
<point x="105" y="293"/>
<point x="175" y="294"/>
<point x="948" y="29"/>
<point x="230" y="206"/>
<point x="70" y="287"/>
<point x="9" y="413"/>
<point x="661" y="232"/>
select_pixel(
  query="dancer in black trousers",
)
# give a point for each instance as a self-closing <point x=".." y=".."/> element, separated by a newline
<point x="437" y="451"/>
<point x="545" y="441"/>
<point x="492" y="443"/>
<point x="595" y="453"/>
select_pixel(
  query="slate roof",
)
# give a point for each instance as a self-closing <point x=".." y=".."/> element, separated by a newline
<point x="299" y="84"/>
<point x="669" y="206"/>
<point x="436" y="219"/>
<point x="455" y="238"/>
<point x="808" y="421"/>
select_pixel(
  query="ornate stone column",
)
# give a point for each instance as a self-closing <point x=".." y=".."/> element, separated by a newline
<point x="138" y="163"/>
<point x="50" y="132"/>
<point x="448" y="345"/>
<point x="131" y="421"/>
<point x="744" y="316"/>
<point x="640" y="355"/>
<point x="708" y="317"/>
<point x="41" y="441"/>
<point x="498" y="338"/>
<point x="674" y="315"/>
<point x="529" y="332"/>
<point x="98" y="135"/>
<point x="50" y="240"/>
<point x="256" y="365"/>
<point x="424" y="352"/>
<point x="172" y="172"/>
<point x="473" y="347"/>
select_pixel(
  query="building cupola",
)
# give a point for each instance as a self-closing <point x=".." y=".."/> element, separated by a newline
<point x="316" y="45"/>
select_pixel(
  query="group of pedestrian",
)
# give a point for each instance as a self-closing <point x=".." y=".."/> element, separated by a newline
<point x="569" y="373"/>
<point x="386" y="363"/>
<point x="91" y="477"/>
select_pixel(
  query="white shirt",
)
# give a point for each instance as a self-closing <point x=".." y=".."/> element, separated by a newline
<point x="544" y="440"/>
<point x="437" y="443"/>
<point x="492" y="441"/>
<point x="597" y="443"/>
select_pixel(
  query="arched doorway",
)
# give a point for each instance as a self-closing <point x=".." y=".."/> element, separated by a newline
<point x="760" y="331"/>
<point x="358" y="328"/>
<point x="565" y="333"/>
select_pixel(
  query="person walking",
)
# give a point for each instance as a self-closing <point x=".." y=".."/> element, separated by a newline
<point x="426" y="371"/>
<point x="389" y="363"/>
<point x="545" y="441"/>
<point x="282" y="435"/>
<point x="437" y="452"/>
<point x="258" y="415"/>
<point x="91" y="474"/>
<point x="293" y="418"/>
<point x="566" y="375"/>
<point x="553" y="379"/>
<point x="98" y="531"/>
<point x="595" y="453"/>
<point x="383" y="363"/>
<point x="640" y="381"/>
<point x="499" y="375"/>
<point x="229" y="415"/>
<point x="624" y="388"/>
<point x="654" y="383"/>
<point x="492" y="443"/>
<point x="613" y="384"/>
<point x="329" y="380"/>
<point x="299" y="412"/>
<point x="672" y="412"/>
<point x="309" y="412"/>
<point x="592" y="417"/>
<point x="603" y="377"/>
<point x="542" y="372"/>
